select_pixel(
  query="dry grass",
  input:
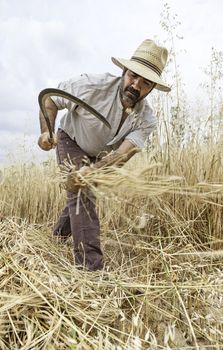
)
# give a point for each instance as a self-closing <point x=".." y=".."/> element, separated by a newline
<point x="162" y="240"/>
<point x="157" y="292"/>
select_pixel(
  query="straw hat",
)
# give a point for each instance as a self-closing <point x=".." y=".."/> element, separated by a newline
<point x="148" y="61"/>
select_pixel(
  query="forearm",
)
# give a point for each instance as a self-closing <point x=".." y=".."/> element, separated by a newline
<point x="52" y="110"/>
<point x="113" y="158"/>
<point x="119" y="157"/>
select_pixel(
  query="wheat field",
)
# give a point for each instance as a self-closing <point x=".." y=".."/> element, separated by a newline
<point x="161" y="232"/>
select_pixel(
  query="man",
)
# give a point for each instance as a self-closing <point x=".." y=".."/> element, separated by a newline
<point x="81" y="136"/>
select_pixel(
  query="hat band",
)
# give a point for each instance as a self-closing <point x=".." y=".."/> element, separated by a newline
<point x="147" y="64"/>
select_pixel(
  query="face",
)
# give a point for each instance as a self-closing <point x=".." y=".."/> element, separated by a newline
<point x="134" y="88"/>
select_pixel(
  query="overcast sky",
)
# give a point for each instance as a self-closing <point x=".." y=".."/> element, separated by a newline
<point x="43" y="42"/>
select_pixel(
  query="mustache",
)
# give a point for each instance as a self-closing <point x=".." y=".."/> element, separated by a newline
<point x="133" y="91"/>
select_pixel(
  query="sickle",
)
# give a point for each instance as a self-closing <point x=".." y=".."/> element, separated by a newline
<point x="44" y="94"/>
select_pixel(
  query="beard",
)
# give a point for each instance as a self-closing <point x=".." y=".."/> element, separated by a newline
<point x="129" y="96"/>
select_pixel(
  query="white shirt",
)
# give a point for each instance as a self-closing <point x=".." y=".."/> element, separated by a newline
<point x="101" y="92"/>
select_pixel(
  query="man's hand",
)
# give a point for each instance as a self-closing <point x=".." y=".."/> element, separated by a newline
<point x="45" y="143"/>
<point x="84" y="170"/>
<point x="75" y="179"/>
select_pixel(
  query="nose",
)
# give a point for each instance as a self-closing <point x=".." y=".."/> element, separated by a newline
<point x="137" y="83"/>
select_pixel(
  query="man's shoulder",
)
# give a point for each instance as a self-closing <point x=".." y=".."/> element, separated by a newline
<point x="146" y="112"/>
<point x="147" y="106"/>
<point x="144" y="108"/>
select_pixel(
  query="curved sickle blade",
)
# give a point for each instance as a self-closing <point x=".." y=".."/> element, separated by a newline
<point x="44" y="94"/>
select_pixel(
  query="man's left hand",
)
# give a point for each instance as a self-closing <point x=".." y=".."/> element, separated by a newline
<point x="75" y="179"/>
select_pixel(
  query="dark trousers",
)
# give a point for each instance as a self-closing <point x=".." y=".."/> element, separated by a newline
<point x="79" y="217"/>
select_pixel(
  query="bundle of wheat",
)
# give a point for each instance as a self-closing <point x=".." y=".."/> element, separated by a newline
<point x="142" y="182"/>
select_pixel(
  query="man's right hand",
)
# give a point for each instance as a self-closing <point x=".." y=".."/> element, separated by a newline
<point x="45" y="143"/>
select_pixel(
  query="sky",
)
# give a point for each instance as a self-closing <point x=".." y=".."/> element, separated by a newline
<point x="44" y="42"/>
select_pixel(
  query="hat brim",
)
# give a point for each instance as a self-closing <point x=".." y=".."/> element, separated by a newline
<point x="142" y="71"/>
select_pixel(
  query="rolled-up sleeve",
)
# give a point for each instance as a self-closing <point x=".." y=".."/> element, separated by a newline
<point x="144" y="127"/>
